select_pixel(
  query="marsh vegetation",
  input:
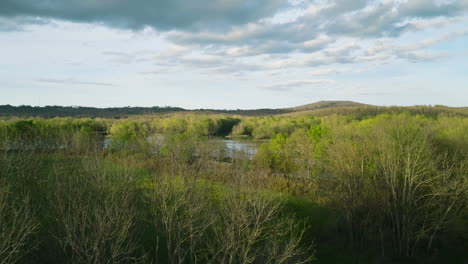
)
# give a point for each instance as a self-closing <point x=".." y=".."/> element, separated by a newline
<point x="383" y="188"/>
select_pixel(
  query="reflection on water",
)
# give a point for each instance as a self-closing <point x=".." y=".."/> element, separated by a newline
<point x="232" y="147"/>
<point x="107" y="142"/>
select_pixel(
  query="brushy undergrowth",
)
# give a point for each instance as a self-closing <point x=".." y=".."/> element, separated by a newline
<point x="391" y="188"/>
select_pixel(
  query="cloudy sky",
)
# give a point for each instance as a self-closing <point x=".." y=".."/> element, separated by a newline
<point x="233" y="53"/>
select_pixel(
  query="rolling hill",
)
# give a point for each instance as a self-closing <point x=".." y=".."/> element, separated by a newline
<point x="326" y="104"/>
<point x="320" y="108"/>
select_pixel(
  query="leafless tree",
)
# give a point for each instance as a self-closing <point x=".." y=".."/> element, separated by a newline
<point x="180" y="210"/>
<point x="249" y="229"/>
<point x="95" y="214"/>
<point x="17" y="225"/>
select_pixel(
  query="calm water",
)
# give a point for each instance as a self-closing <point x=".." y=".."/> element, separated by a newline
<point x="231" y="146"/>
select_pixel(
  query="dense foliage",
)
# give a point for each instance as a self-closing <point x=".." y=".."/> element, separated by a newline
<point x="384" y="188"/>
<point x="357" y="110"/>
<point x="116" y="112"/>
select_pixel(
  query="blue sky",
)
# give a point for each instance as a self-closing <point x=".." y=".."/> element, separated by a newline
<point x="233" y="54"/>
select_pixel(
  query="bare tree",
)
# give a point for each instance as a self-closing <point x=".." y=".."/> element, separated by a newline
<point x="95" y="214"/>
<point x="392" y="185"/>
<point x="179" y="209"/>
<point x="249" y="229"/>
<point x="17" y="225"/>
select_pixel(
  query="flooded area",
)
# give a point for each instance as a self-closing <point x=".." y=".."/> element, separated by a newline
<point x="231" y="146"/>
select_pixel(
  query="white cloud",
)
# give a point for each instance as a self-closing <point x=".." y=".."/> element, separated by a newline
<point x="262" y="44"/>
<point x="290" y="85"/>
<point x="71" y="81"/>
<point x="329" y="71"/>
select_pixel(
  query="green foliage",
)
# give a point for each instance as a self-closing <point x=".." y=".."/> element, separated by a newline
<point x="54" y="133"/>
<point x="181" y="148"/>
<point x="129" y="135"/>
<point x="200" y="221"/>
<point x="225" y="125"/>
<point x="298" y="154"/>
<point x="26" y="111"/>
<point x="268" y="127"/>
<point x="390" y="179"/>
<point x="198" y="125"/>
<point x="372" y="187"/>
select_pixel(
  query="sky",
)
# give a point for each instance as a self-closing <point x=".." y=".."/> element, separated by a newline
<point x="233" y="54"/>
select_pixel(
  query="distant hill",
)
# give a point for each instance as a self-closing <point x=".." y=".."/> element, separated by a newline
<point x="361" y="111"/>
<point x="322" y="108"/>
<point x="118" y="112"/>
<point x="327" y="104"/>
<point x="79" y="111"/>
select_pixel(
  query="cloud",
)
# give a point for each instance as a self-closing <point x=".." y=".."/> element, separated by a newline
<point x="329" y="71"/>
<point x="249" y="28"/>
<point x="153" y="72"/>
<point x="380" y="17"/>
<point x="437" y="22"/>
<point x="234" y="60"/>
<point x="73" y="82"/>
<point x="290" y="85"/>
<point x="223" y="22"/>
<point x="243" y="36"/>
<point x="322" y="23"/>
<point x="120" y="57"/>
<point x="423" y="55"/>
<point x="435" y="40"/>
<point x="124" y="57"/>
<point x="255" y="39"/>
<point x="138" y="14"/>
<point x="362" y="91"/>
<point x="16" y="24"/>
<point x="173" y="51"/>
